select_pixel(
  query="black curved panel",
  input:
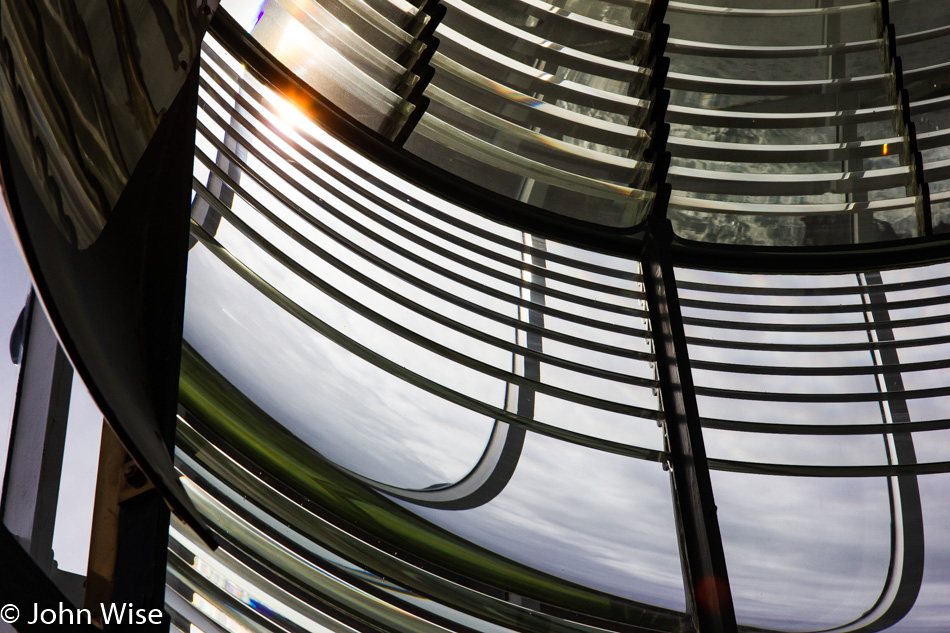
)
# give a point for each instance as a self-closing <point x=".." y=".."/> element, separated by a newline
<point x="97" y="179"/>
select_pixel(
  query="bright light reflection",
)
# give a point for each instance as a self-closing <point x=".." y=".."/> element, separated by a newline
<point x="293" y="47"/>
<point x="288" y="114"/>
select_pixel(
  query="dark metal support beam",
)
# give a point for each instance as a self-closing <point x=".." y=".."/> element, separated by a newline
<point x="707" y="584"/>
<point x="708" y="597"/>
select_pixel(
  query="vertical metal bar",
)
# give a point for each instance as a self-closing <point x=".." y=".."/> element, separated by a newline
<point x="708" y="597"/>
<point x="141" y="553"/>
<point x="707" y="584"/>
<point x="907" y="556"/>
<point x="37" y="439"/>
<point x="530" y="366"/>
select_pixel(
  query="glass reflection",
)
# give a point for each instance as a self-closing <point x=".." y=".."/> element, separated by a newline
<point x="803" y="554"/>
<point x="813" y="377"/>
<point x="783" y="126"/>
<point x="521" y="96"/>
<point x="815" y="158"/>
<point x="400" y="337"/>
<point x="929" y="611"/>
<point x="307" y="214"/>
<point x="597" y="519"/>
<point x="361" y="417"/>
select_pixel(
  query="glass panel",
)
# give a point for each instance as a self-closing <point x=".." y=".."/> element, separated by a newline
<point x="543" y="106"/>
<point x="926" y="289"/>
<point x="811" y="376"/>
<point x="923" y="41"/>
<point x="353" y="54"/>
<point x="515" y="176"/>
<point x="537" y="120"/>
<point x="773" y="24"/>
<point x="762" y="6"/>
<point x="397" y="326"/>
<point x="600" y="520"/>
<point x="783" y="126"/>
<point x="772" y="353"/>
<point x="394" y="344"/>
<point x="793" y="230"/>
<point x="803" y="554"/>
<point x="404" y="287"/>
<point x="540" y="105"/>
<point x="923" y="44"/>
<point x="483" y="590"/>
<point x="323" y="394"/>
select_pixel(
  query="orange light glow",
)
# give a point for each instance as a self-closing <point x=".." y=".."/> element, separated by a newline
<point x="288" y="110"/>
<point x="885" y="149"/>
